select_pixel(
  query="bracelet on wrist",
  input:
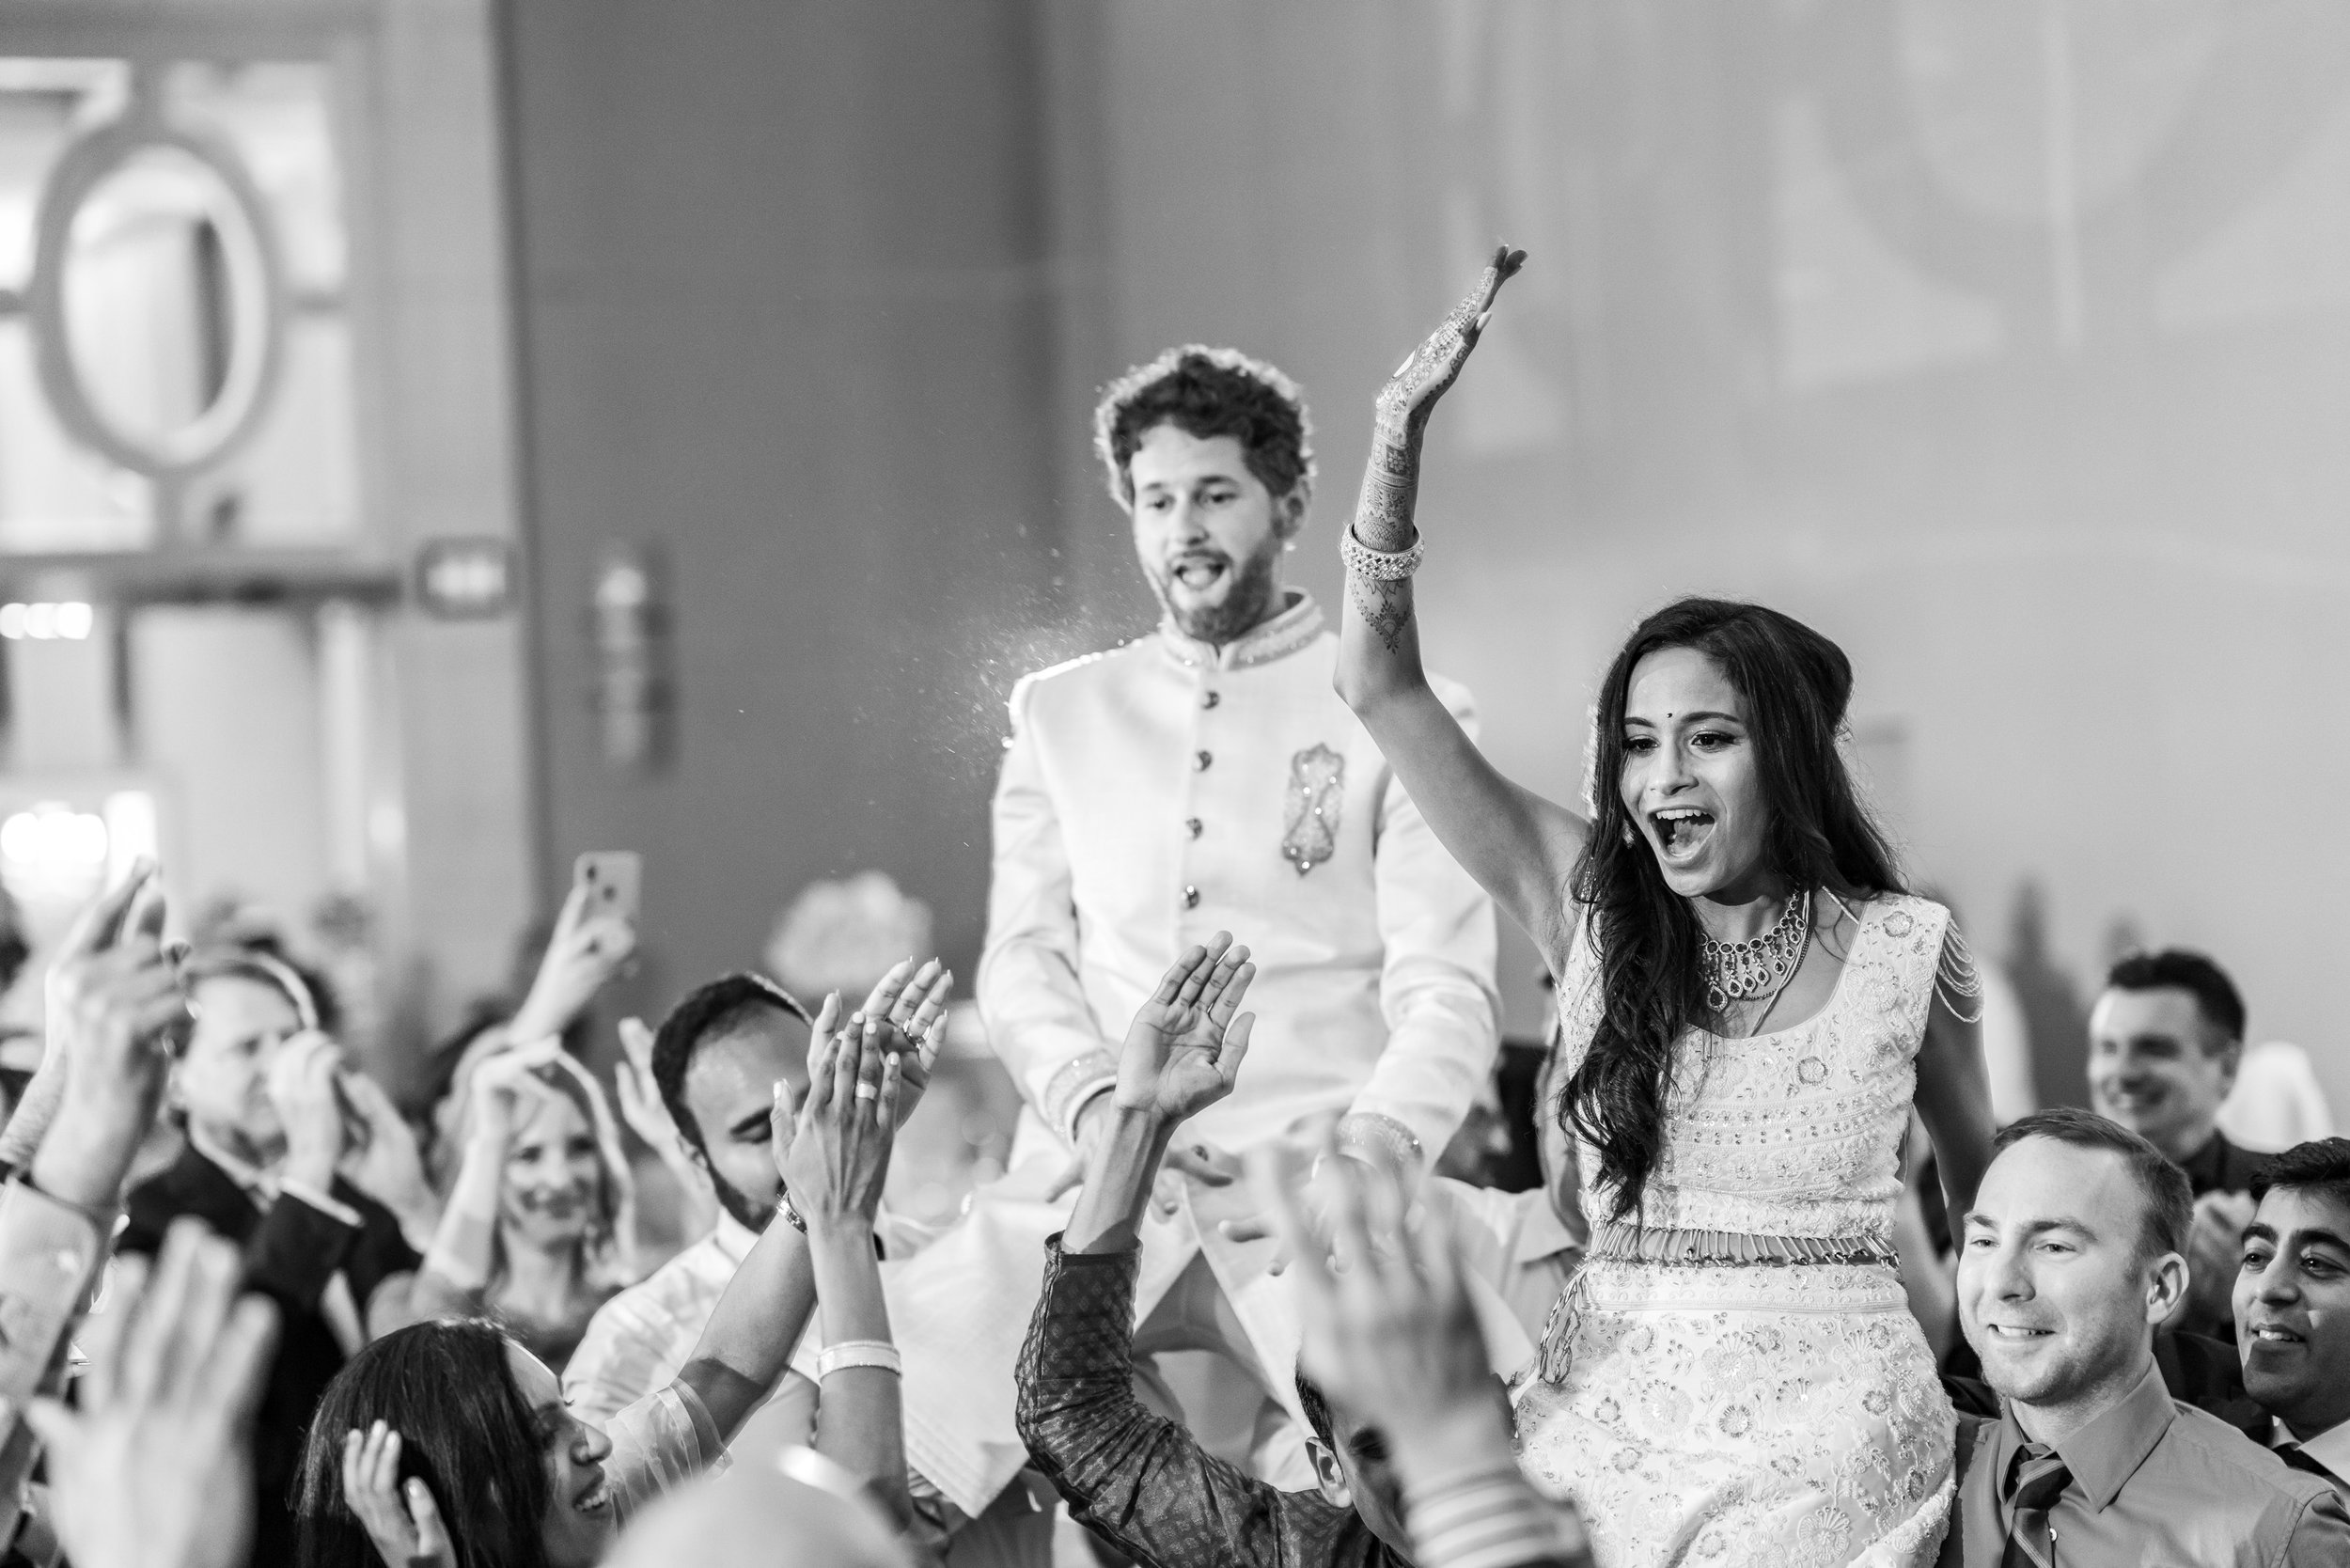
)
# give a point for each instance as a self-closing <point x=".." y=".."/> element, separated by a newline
<point x="783" y="1207"/>
<point x="1383" y="566"/>
<point x="880" y="1355"/>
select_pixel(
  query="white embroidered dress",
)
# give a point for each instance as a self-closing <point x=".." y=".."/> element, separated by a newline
<point x="1785" y="1414"/>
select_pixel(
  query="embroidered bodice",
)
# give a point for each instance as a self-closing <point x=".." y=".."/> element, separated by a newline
<point x="1795" y="1133"/>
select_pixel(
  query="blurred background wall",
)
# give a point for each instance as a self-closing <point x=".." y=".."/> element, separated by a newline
<point x="2008" y="343"/>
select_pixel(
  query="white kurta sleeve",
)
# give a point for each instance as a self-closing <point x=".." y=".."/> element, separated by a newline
<point x="1038" y="1020"/>
<point x="1436" y="986"/>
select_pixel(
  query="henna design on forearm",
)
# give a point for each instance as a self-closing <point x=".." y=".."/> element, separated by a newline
<point x="1385" y="607"/>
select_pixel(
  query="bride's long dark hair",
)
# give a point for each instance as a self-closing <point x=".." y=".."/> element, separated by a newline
<point x="1795" y="686"/>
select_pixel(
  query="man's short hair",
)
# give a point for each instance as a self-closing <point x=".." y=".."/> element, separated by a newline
<point x="1205" y="393"/>
<point x="2170" y="1200"/>
<point x="1317" y="1407"/>
<point x="2178" y="969"/>
<point x="2321" y="1166"/>
<point x="710" y="1013"/>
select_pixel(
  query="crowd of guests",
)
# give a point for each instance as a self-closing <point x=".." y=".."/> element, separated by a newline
<point x="293" y="1362"/>
<point x="1783" y="1295"/>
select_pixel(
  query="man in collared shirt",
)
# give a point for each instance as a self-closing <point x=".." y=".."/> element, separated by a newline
<point x="265" y="1133"/>
<point x="2072" y="1254"/>
<point x="2165" y="1035"/>
<point x="2292" y="1306"/>
<point x="1207" y="776"/>
<point x="715" y="1060"/>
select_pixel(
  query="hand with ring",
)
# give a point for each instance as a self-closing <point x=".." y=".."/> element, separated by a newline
<point x="906" y="1013"/>
<point x="833" y="1152"/>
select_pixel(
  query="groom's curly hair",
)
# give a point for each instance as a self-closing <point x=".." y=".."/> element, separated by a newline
<point x="1205" y="393"/>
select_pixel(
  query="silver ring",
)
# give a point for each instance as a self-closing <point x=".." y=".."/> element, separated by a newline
<point x="866" y="1092"/>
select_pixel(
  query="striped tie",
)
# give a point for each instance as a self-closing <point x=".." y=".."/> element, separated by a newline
<point x="2034" y="1481"/>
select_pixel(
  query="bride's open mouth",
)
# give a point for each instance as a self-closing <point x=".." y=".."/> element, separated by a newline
<point x="1681" y="831"/>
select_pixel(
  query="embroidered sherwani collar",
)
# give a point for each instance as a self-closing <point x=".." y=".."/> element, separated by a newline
<point x="1277" y="638"/>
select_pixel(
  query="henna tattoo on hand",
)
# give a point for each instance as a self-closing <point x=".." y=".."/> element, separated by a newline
<point x="1382" y="517"/>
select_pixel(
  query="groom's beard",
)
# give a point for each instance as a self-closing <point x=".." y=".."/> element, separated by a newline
<point x="751" y="1216"/>
<point x="1252" y="597"/>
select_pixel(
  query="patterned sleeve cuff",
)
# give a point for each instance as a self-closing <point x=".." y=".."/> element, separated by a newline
<point x="1067" y="1090"/>
<point x="1488" y="1516"/>
<point x="1369" y="1134"/>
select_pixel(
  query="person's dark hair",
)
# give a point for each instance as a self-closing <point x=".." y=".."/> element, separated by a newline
<point x="2321" y="1165"/>
<point x="1205" y="393"/>
<point x="2170" y="1200"/>
<point x="2179" y="969"/>
<point x="14" y="946"/>
<point x="710" y="1013"/>
<point x="445" y="1387"/>
<point x="1796" y="684"/>
<point x="1317" y="1407"/>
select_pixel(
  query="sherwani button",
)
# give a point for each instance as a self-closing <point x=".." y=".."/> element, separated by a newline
<point x="1193" y="825"/>
<point x="1191" y="898"/>
<point x="1209" y="699"/>
<point x="1200" y="764"/>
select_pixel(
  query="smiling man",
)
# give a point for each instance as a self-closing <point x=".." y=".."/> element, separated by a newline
<point x="1207" y="776"/>
<point x="2292" y="1305"/>
<point x="2165" y="1035"/>
<point x="2073" y="1252"/>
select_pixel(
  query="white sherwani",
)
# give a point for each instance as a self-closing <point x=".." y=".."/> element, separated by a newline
<point x="1151" y="797"/>
<point x="1157" y="794"/>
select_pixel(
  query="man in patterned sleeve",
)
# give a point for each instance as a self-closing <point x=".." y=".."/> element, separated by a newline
<point x="1206" y="777"/>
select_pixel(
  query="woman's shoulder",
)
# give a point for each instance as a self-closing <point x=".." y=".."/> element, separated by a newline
<point x="1896" y="915"/>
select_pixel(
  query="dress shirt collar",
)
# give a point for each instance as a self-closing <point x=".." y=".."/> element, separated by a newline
<point x="2104" y="1455"/>
<point x="2330" y="1448"/>
<point x="1277" y="638"/>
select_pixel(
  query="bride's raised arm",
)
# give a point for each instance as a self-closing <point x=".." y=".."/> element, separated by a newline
<point x="1519" y="846"/>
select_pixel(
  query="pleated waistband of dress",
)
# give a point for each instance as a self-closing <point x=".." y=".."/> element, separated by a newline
<point x="1616" y="1242"/>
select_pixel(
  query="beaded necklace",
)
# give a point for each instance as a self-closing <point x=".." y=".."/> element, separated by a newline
<point x="1760" y="965"/>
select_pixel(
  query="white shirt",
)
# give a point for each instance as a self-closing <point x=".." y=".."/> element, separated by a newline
<point x="640" y="1340"/>
<point x="1516" y="1243"/>
<point x="1154" y="795"/>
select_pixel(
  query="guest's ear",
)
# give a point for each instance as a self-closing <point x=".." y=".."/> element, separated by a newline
<point x="2165" y="1287"/>
<point x="1328" y="1477"/>
<point x="1289" y="512"/>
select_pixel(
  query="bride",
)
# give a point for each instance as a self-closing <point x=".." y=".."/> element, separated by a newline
<point x="1750" y="1005"/>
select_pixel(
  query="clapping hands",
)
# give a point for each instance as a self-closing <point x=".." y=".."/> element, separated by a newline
<point x="154" y="1468"/>
<point x="1182" y="1051"/>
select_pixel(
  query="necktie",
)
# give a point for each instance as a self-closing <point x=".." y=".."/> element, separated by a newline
<point x="2297" y="1456"/>
<point x="2038" y="1475"/>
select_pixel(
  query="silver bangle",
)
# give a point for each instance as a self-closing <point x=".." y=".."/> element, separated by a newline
<point x="1384" y="565"/>
<point x="878" y="1354"/>
<point x="1361" y="1130"/>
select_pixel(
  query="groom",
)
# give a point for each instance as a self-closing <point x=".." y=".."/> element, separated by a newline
<point x="1207" y="777"/>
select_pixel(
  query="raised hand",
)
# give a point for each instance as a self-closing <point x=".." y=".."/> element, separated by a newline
<point x="403" y="1522"/>
<point x="585" y="951"/>
<point x="116" y="1013"/>
<point x="302" y="1082"/>
<point x="386" y="1164"/>
<point x="1388" y="1328"/>
<point x="834" y="1153"/>
<point x="1410" y="395"/>
<point x="154" y="1468"/>
<point x="907" y="1011"/>
<point x="1182" y="1051"/>
<point x="1381" y="592"/>
<point x="506" y="1084"/>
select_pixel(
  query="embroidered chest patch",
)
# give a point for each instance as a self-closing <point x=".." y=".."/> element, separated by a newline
<point x="1316" y="796"/>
